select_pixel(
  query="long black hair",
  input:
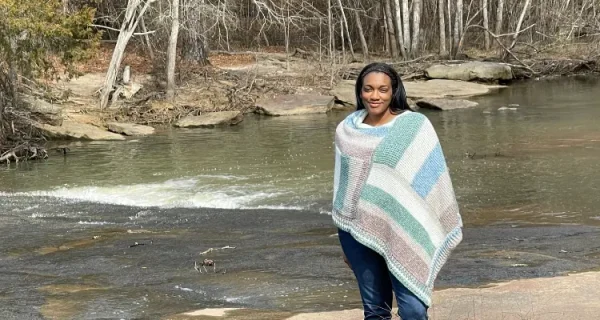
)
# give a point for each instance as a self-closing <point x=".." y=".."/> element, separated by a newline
<point x="398" y="103"/>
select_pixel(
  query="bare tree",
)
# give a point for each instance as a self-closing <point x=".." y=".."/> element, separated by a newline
<point x="391" y="31"/>
<point x="518" y="29"/>
<point x="346" y="27"/>
<point x="442" y="25"/>
<point x="134" y="12"/>
<point x="416" y="26"/>
<point x="499" y="16"/>
<point x="361" y="33"/>
<point x="406" y="23"/>
<point x="486" y="24"/>
<point x="172" y="51"/>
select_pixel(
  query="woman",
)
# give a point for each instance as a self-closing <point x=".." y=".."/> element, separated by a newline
<point x="393" y="203"/>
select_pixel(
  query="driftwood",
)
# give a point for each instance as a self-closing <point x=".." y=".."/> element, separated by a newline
<point x="24" y="152"/>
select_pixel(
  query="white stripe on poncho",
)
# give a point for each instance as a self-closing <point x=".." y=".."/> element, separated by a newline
<point x="393" y="193"/>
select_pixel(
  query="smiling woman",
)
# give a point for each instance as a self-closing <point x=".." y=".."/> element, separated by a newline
<point x="380" y="92"/>
<point x="394" y="203"/>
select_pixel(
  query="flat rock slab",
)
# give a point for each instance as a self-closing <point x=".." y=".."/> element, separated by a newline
<point x="130" y="129"/>
<point x="211" y="119"/>
<point x="437" y="89"/>
<point x="289" y="105"/>
<point x="445" y="104"/>
<point x="570" y="297"/>
<point x="487" y="71"/>
<point x="77" y="131"/>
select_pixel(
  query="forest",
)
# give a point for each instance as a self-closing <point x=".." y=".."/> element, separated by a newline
<point x="43" y="40"/>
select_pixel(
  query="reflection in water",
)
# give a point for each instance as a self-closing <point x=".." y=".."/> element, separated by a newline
<point x="536" y="164"/>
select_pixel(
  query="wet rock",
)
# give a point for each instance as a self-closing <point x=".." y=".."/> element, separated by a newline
<point x="446" y="104"/>
<point x="78" y="131"/>
<point x="211" y="119"/>
<point x="288" y="105"/>
<point x="130" y="129"/>
<point x="487" y="71"/>
<point x="42" y="111"/>
<point x="436" y="89"/>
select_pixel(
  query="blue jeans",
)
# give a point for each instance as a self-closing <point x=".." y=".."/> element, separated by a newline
<point x="377" y="285"/>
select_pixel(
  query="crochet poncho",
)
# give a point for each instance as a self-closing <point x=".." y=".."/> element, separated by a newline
<point x="393" y="193"/>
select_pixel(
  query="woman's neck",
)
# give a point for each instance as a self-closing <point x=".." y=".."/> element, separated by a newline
<point x="379" y="120"/>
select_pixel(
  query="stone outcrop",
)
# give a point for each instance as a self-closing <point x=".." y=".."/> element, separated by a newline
<point x="130" y="129"/>
<point x="486" y="71"/>
<point x="42" y="111"/>
<point x="445" y="104"/>
<point x="288" y="105"/>
<point x="211" y="119"/>
<point x="437" y="89"/>
<point x="76" y="131"/>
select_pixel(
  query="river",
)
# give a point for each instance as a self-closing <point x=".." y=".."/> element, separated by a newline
<point x="265" y="185"/>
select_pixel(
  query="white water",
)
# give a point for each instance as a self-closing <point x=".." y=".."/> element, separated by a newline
<point x="207" y="191"/>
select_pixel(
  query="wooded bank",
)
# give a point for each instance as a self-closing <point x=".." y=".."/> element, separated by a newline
<point x="45" y="39"/>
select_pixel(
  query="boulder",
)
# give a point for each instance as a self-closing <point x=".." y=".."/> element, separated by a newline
<point x="486" y="71"/>
<point x="42" y="111"/>
<point x="288" y="105"/>
<point x="78" y="131"/>
<point x="211" y="119"/>
<point x="130" y="129"/>
<point x="344" y="92"/>
<point x="446" y="104"/>
<point x="437" y="89"/>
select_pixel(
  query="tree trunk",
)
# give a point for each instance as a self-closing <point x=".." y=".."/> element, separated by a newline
<point x="406" y="23"/>
<point x="386" y="36"/>
<point x="147" y="40"/>
<point x="442" y="24"/>
<point x="361" y="34"/>
<point x="65" y="4"/>
<point x="330" y="29"/>
<point x="457" y="27"/>
<point x="460" y="14"/>
<point x="130" y="23"/>
<point x="486" y="24"/>
<point x="346" y="27"/>
<point x="499" y="17"/>
<point x="172" y="50"/>
<point x="391" y="31"/>
<point x="195" y="43"/>
<point x="416" y="26"/>
<point x="399" y="32"/>
<point x="374" y="25"/>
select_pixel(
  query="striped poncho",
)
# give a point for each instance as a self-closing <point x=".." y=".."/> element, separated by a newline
<point x="393" y="193"/>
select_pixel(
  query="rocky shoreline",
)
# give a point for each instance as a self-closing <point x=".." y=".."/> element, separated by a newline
<point x="208" y="106"/>
<point x="140" y="262"/>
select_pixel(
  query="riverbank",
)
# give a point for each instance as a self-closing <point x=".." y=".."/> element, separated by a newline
<point x="242" y="81"/>
<point x="65" y="259"/>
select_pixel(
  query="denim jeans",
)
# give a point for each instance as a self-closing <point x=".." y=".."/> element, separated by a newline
<point x="377" y="285"/>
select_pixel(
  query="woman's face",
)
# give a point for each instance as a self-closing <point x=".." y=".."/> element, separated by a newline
<point x="376" y="94"/>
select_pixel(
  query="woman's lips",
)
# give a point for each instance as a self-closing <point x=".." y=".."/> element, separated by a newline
<point x="374" y="104"/>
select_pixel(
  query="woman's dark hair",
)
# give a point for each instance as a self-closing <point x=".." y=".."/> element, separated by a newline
<point x="399" y="102"/>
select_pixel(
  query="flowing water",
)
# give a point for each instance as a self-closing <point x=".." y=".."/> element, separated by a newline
<point x="538" y="163"/>
<point x="112" y="230"/>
